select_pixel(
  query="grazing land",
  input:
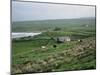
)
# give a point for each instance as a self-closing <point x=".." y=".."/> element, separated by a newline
<point x="47" y="53"/>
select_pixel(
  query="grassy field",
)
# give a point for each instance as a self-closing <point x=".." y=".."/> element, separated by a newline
<point x="28" y="56"/>
<point x="49" y="25"/>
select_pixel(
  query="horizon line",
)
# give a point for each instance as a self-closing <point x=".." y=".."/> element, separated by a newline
<point x="54" y="19"/>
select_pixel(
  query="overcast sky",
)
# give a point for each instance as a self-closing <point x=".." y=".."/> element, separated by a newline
<point x="23" y="11"/>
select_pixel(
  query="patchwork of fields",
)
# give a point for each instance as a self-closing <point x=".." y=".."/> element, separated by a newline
<point x="42" y="53"/>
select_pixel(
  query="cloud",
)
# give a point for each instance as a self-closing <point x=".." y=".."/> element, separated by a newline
<point x="39" y="11"/>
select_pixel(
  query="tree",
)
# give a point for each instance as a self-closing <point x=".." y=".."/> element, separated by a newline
<point x="57" y="29"/>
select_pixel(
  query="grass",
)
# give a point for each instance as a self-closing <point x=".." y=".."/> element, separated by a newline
<point x="28" y="56"/>
<point x="49" y="25"/>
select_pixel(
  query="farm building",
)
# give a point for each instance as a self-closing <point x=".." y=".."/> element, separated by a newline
<point x="62" y="39"/>
<point x="85" y="25"/>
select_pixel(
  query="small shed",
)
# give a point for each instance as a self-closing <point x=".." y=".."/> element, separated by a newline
<point x="62" y="39"/>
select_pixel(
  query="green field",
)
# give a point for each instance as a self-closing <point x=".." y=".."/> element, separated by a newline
<point x="28" y="56"/>
<point x="48" y="25"/>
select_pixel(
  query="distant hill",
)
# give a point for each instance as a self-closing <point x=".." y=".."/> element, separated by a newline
<point x="44" y="25"/>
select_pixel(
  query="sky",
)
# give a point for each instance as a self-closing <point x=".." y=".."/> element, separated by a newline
<point x="25" y="11"/>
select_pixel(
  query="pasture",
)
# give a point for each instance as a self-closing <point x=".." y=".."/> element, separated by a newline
<point x="42" y="53"/>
